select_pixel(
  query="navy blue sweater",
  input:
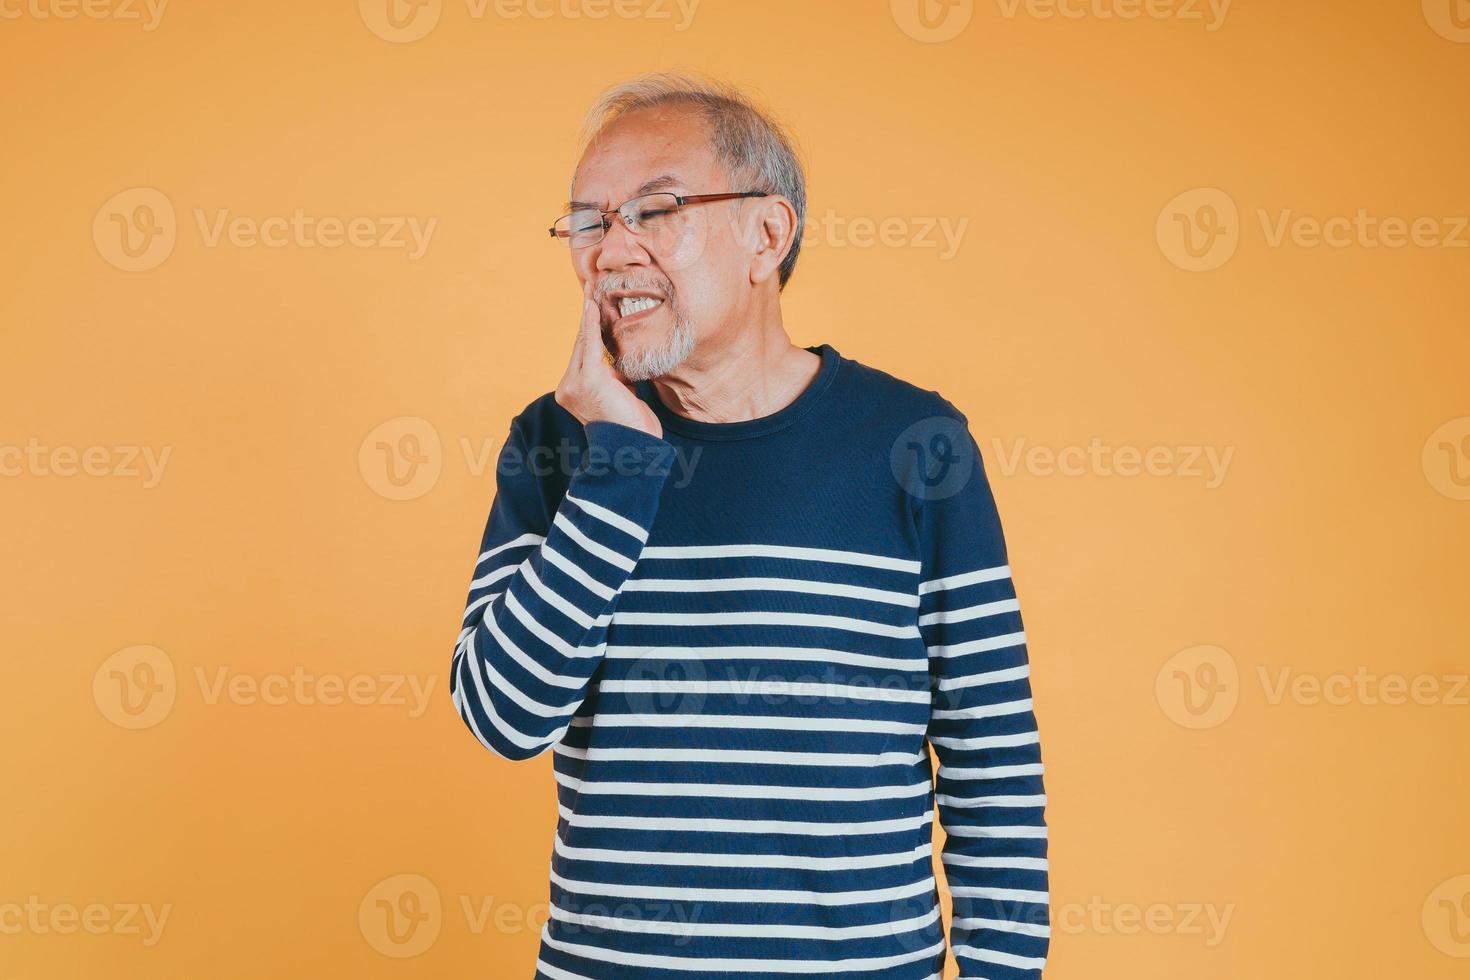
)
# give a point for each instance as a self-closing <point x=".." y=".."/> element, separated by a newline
<point x="740" y="642"/>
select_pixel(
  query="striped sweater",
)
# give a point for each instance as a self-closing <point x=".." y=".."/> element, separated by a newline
<point x="740" y="642"/>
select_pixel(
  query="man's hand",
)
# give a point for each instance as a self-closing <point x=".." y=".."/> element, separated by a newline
<point x="591" y="390"/>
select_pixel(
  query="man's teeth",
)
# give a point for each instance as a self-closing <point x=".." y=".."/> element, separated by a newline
<point x="629" y="305"/>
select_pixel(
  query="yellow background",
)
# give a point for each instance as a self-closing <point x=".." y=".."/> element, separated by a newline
<point x="1332" y="835"/>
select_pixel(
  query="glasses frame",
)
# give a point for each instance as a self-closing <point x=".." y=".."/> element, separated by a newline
<point x="680" y="200"/>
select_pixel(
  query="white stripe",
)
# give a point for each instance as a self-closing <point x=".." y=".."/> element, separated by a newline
<point x="815" y="620"/>
<point x="610" y="518"/>
<point x="752" y="722"/>
<point x="966" y="861"/>
<point x="701" y="825"/>
<point x="968" y="578"/>
<point x="1004" y="959"/>
<point x="575" y="572"/>
<point x="819" y="655"/>
<point x="524" y="539"/>
<point x="781" y="551"/>
<point x="546" y="636"/>
<point x="709" y="964"/>
<point x="751" y="756"/>
<point x="602" y="551"/>
<point x="808" y="586"/>
<point x="990" y="677"/>
<point x="778" y="688"/>
<point x="980" y="646"/>
<point x="991" y="772"/>
<point x="976" y="712"/>
<point x="988" y="742"/>
<point x="787" y="862"/>
<point x="555" y="600"/>
<point x="1000" y="894"/>
<point x="983" y="802"/>
<point x="688" y="930"/>
<point x="556" y="972"/>
<point x="988" y="831"/>
<point x="762" y="895"/>
<point x="745" y="791"/>
<point x="970" y="612"/>
<point x="1038" y="929"/>
<point x="494" y="575"/>
<point x="470" y="609"/>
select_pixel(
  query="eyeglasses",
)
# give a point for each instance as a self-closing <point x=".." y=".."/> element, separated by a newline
<point x="655" y="216"/>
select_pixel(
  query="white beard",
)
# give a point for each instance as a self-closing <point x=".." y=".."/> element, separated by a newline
<point x="645" y="364"/>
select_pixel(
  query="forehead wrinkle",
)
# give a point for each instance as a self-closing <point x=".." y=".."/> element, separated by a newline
<point x="650" y="185"/>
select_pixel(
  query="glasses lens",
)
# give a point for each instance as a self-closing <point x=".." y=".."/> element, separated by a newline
<point x="656" y="217"/>
<point x="580" y="228"/>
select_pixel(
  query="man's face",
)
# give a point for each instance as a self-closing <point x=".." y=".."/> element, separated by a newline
<point x="694" y="276"/>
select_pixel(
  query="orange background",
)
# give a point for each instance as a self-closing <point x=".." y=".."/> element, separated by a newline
<point x="1332" y="835"/>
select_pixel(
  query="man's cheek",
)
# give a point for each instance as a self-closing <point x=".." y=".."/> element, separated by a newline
<point x="690" y="247"/>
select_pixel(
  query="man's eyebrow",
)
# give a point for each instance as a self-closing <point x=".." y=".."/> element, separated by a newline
<point x="647" y="187"/>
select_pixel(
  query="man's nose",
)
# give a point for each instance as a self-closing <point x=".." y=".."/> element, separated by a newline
<point x="619" y="247"/>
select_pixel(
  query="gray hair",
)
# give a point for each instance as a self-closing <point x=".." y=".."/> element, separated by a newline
<point x="748" y="143"/>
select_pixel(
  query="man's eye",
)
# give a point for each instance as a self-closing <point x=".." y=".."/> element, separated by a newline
<point x="585" y="222"/>
<point x="653" y="214"/>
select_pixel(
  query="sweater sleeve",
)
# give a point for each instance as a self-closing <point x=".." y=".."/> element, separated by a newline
<point x="541" y="598"/>
<point x="988" y="790"/>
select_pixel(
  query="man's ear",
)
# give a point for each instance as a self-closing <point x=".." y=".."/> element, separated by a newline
<point x="773" y="233"/>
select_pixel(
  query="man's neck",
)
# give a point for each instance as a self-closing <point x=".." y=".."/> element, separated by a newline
<point x="755" y="374"/>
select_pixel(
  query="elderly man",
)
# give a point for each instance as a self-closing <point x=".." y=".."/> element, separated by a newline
<point x="740" y="670"/>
